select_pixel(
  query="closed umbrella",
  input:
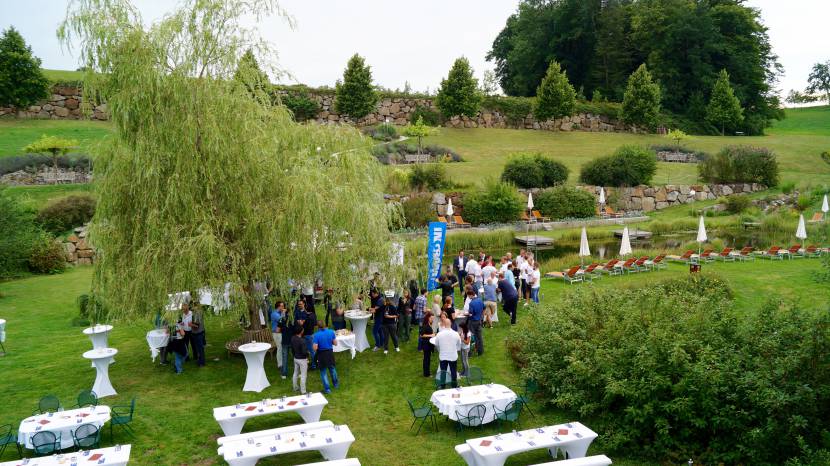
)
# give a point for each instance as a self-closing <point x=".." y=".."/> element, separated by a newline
<point x="801" y="231"/>
<point x="449" y="208"/>
<point x="824" y="207"/>
<point x="701" y="235"/>
<point x="602" y="195"/>
<point x="584" y="250"/>
<point x="529" y="201"/>
<point x="625" y="246"/>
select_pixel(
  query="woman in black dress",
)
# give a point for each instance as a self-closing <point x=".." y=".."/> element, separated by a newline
<point x="423" y="342"/>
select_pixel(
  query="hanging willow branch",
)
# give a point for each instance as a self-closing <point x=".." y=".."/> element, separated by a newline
<point x="205" y="182"/>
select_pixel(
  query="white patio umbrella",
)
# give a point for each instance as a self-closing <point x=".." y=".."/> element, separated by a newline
<point x="824" y="207"/>
<point x="601" y="195"/>
<point x="584" y="250"/>
<point x="449" y="208"/>
<point x="801" y="231"/>
<point x="701" y="235"/>
<point x="529" y="201"/>
<point x="625" y="246"/>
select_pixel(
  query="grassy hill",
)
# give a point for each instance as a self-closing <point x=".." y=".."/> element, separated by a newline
<point x="63" y="75"/>
<point x="16" y="134"/>
<point x="805" y="121"/>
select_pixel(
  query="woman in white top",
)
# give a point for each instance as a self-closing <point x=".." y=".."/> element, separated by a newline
<point x="436" y="312"/>
<point x="535" y="282"/>
<point x="466" y="336"/>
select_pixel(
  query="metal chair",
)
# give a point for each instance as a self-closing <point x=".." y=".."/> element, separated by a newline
<point x="421" y="410"/>
<point x="87" y="437"/>
<point x="48" y="404"/>
<point x="8" y="437"/>
<point x="87" y="398"/>
<point x="123" y="416"/>
<point x="473" y="418"/>
<point x="475" y="376"/>
<point x="510" y="413"/>
<point x="46" y="443"/>
<point x="442" y="380"/>
<point x="531" y="388"/>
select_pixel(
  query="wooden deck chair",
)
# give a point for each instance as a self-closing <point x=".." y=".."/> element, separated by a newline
<point x="572" y="275"/>
<point x="442" y="219"/>
<point x="772" y="253"/>
<point x="657" y="263"/>
<point x="745" y="254"/>
<point x="793" y="251"/>
<point x="524" y="217"/>
<point x="611" y="213"/>
<point x="610" y="267"/>
<point x="811" y="251"/>
<point x="708" y="256"/>
<point x="538" y="216"/>
<point x="726" y="255"/>
<point x="686" y="257"/>
<point x="628" y="265"/>
<point x="460" y="221"/>
<point x="640" y="264"/>
<point x="817" y="218"/>
<point x="591" y="271"/>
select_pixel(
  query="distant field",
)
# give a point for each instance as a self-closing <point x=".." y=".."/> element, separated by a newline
<point x="63" y="75"/>
<point x="804" y="121"/>
<point x="16" y="134"/>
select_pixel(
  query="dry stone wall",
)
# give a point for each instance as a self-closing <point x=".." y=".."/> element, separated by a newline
<point x="77" y="249"/>
<point x="63" y="103"/>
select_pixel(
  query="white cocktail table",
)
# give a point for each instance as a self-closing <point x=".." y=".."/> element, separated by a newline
<point x="346" y="343"/>
<point x="62" y="423"/>
<point x="359" y="321"/>
<point x="156" y="340"/>
<point x="232" y="418"/>
<point x="332" y="442"/>
<point x="453" y="400"/>
<point x="102" y="358"/>
<point x="255" y="380"/>
<point x="99" y="335"/>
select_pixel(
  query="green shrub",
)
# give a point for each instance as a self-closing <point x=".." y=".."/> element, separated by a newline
<point x="657" y="367"/>
<point x="740" y="164"/>
<point x="397" y="182"/>
<point x="495" y="202"/>
<point x="302" y="106"/>
<point x="628" y="166"/>
<point x="788" y="187"/>
<point x="534" y="171"/>
<point x="382" y="132"/>
<point x="566" y="202"/>
<point x="514" y="109"/>
<point x="65" y="213"/>
<point x="418" y="211"/>
<point x="429" y="116"/>
<point x="47" y="256"/>
<point x="19" y="236"/>
<point x="91" y="308"/>
<point x="736" y="204"/>
<point x="431" y="176"/>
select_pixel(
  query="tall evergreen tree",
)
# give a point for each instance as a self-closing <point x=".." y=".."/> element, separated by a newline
<point x="22" y="83"/>
<point x="724" y="110"/>
<point x="458" y="94"/>
<point x="555" y="97"/>
<point x="641" y="103"/>
<point x="249" y="72"/>
<point x="356" y="96"/>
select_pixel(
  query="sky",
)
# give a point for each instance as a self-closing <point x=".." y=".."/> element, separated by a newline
<point x="414" y="41"/>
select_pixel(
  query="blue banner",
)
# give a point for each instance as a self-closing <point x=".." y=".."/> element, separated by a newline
<point x="435" y="253"/>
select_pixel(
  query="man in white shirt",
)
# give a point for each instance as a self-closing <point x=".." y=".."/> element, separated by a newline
<point x="447" y="342"/>
<point x="488" y="270"/>
<point x="474" y="270"/>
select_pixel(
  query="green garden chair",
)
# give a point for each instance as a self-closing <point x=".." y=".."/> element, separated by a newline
<point x="473" y="418"/>
<point x="87" y="398"/>
<point x="122" y="416"/>
<point x="46" y="443"/>
<point x="475" y="376"/>
<point x="8" y="437"/>
<point x="87" y="437"/>
<point x="48" y="404"/>
<point x="531" y="388"/>
<point x="442" y="380"/>
<point x="421" y="410"/>
<point x="510" y="413"/>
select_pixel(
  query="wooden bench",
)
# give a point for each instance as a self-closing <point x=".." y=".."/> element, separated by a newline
<point x="417" y="158"/>
<point x="252" y="336"/>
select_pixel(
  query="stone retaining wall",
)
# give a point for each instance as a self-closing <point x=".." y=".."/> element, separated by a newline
<point x="63" y="103"/>
<point x="45" y="176"/>
<point x="78" y="250"/>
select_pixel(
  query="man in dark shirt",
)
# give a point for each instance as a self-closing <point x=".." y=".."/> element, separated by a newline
<point x="298" y="346"/>
<point x="286" y="330"/>
<point x="476" y="309"/>
<point x="376" y="308"/>
<point x="309" y="325"/>
<point x="509" y="297"/>
<point x="447" y="288"/>
<point x="390" y="324"/>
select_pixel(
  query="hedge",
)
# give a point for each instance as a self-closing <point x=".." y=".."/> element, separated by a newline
<point x="628" y="166"/>
<point x="566" y="202"/>
<point x="534" y="171"/>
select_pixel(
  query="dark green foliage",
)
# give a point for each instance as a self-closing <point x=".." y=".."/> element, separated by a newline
<point x="430" y="116"/>
<point x="818" y="83"/>
<point x="566" y="202"/>
<point x="657" y="367"/>
<point x="302" y="105"/>
<point x="736" y="204"/>
<point x="19" y="236"/>
<point x="534" y="171"/>
<point x="495" y="202"/>
<point x="459" y="93"/>
<point x="515" y="109"/>
<point x="641" y="104"/>
<point x="628" y="166"/>
<point x="65" y="213"/>
<point x="34" y="162"/>
<point x="47" y="256"/>
<point x="740" y="164"/>
<point x="724" y="110"/>
<point x="91" y="308"/>
<point x="555" y="97"/>
<point x="418" y="211"/>
<point x="21" y="81"/>
<point x="356" y="96"/>
<point x="250" y="74"/>
<point x="430" y="177"/>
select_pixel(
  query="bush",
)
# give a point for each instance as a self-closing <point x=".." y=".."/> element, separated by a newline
<point x="91" y="308"/>
<point x="382" y="132"/>
<point x="395" y="152"/>
<point x="657" y="367"/>
<point x="428" y="176"/>
<point x="495" y="202"/>
<point x="740" y="164"/>
<point x="534" y="171"/>
<point x="47" y="256"/>
<point x="736" y="204"/>
<point x="301" y="105"/>
<point x="430" y="117"/>
<point x="566" y="202"/>
<point x="514" y="109"/>
<point x="418" y="211"/>
<point x="788" y="187"/>
<point x="628" y="166"/>
<point x="65" y="213"/>
<point x="19" y="236"/>
<point x="35" y="162"/>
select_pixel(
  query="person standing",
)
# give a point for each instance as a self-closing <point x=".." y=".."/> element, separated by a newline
<point x="447" y="288"/>
<point x="474" y="270"/>
<point x="448" y="343"/>
<point x="535" y="282"/>
<point x="197" y="336"/>
<point x="377" y="314"/>
<point x="404" y="315"/>
<point x="511" y="277"/>
<point x="460" y="266"/>
<point x="490" y="302"/>
<point x="186" y="320"/>
<point x="286" y="332"/>
<point x="309" y="325"/>
<point x="179" y="348"/>
<point x="474" y="320"/>
<point x="488" y="270"/>
<point x="276" y="315"/>
<point x="424" y="344"/>
<point x="324" y="342"/>
<point x="338" y="318"/>
<point x="464" y="332"/>
<point x="390" y="324"/>
<point x="329" y="304"/>
<point x="300" y="350"/>
<point x="420" y="306"/>
<point x="509" y="297"/>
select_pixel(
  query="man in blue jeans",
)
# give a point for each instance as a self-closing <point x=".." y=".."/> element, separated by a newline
<point x="324" y="341"/>
<point x="476" y="311"/>
<point x="376" y="308"/>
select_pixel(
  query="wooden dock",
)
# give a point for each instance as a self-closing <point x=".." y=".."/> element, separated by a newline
<point x="634" y="234"/>
<point x="532" y="240"/>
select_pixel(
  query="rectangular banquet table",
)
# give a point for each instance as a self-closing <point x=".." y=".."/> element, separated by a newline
<point x="112" y="456"/>
<point x="346" y="462"/>
<point x="332" y="441"/>
<point x="451" y="400"/>
<point x="232" y="418"/>
<point x="62" y="423"/>
<point x="572" y="438"/>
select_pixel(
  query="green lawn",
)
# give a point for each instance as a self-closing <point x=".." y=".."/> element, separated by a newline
<point x="16" y="134"/>
<point x="63" y="75"/>
<point x="804" y="121"/>
<point x="174" y="420"/>
<point x="36" y="197"/>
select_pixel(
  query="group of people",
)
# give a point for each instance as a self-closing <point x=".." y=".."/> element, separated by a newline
<point x="186" y="338"/>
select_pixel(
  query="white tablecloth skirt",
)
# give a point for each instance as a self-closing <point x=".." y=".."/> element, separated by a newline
<point x="157" y="339"/>
<point x="346" y="343"/>
<point x="491" y="396"/>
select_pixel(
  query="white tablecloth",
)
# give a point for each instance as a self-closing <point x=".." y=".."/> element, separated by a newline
<point x="232" y="418"/>
<point x="346" y="343"/>
<point x="102" y="358"/>
<point x="332" y="442"/>
<point x="176" y="300"/>
<point x="99" y="335"/>
<point x="156" y="340"/>
<point x="110" y="457"/>
<point x="2" y="330"/>
<point x="255" y="380"/>
<point x="359" y="321"/>
<point x="573" y="438"/>
<point x="218" y="298"/>
<point x="463" y="398"/>
<point x="62" y="423"/>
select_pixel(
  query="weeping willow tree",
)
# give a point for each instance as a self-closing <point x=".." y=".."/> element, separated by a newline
<point x="204" y="181"/>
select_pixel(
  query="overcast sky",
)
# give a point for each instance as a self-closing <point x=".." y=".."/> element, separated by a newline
<point x="414" y="40"/>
